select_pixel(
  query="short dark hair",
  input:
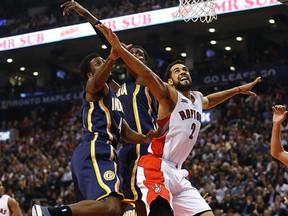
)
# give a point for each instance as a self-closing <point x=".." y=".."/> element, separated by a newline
<point x="85" y="64"/>
<point x="145" y="53"/>
<point x="168" y="69"/>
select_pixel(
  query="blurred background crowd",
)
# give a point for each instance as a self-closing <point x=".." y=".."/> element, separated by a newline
<point x="231" y="160"/>
<point x="30" y="16"/>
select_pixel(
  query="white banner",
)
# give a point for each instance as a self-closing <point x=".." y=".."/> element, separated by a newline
<point x="122" y="23"/>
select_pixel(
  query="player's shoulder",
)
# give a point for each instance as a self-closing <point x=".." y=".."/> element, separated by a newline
<point x="5" y="196"/>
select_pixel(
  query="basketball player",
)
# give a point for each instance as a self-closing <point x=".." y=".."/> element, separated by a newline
<point x="277" y="150"/>
<point x="95" y="162"/>
<point x="8" y="205"/>
<point x="165" y="189"/>
<point x="140" y="111"/>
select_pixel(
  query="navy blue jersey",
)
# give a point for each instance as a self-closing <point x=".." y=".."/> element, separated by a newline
<point x="103" y="117"/>
<point x="140" y="112"/>
<point x="140" y="107"/>
<point x="94" y="162"/>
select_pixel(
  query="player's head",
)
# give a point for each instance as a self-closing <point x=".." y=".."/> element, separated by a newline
<point x="90" y="64"/>
<point x="177" y="75"/>
<point x="140" y="53"/>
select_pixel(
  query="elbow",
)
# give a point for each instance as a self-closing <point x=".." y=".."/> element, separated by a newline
<point x="274" y="154"/>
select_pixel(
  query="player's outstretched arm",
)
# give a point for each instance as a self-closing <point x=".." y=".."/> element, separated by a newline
<point x="98" y="79"/>
<point x="276" y="148"/>
<point x="214" y="99"/>
<point x="157" y="87"/>
<point x="131" y="136"/>
<point x="82" y="11"/>
<point x="73" y="5"/>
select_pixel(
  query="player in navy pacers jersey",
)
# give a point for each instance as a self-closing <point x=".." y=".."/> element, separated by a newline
<point x="94" y="161"/>
<point x="140" y="112"/>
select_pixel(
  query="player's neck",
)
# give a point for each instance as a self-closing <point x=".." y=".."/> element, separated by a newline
<point x="188" y="95"/>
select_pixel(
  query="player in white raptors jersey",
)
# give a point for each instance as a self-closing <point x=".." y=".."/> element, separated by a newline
<point x="8" y="205"/>
<point x="179" y="131"/>
<point x="163" y="183"/>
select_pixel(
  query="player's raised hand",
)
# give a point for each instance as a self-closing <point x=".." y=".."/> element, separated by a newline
<point x="246" y="88"/>
<point x="73" y="5"/>
<point x="279" y="113"/>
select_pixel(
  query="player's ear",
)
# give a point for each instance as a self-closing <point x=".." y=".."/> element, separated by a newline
<point x="88" y="75"/>
<point x="170" y="82"/>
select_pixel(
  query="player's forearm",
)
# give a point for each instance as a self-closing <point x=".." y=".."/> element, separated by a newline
<point x="275" y="143"/>
<point x="276" y="148"/>
<point x="219" y="97"/>
<point x="134" y="137"/>
<point x="131" y="136"/>
<point x="100" y="77"/>
<point x="90" y="18"/>
<point x="100" y="34"/>
<point x="93" y="21"/>
<point x="132" y="62"/>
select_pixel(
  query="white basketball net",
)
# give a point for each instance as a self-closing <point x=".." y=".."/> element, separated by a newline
<point x="203" y="10"/>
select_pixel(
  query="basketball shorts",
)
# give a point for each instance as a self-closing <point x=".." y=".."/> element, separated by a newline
<point x="128" y="160"/>
<point x="95" y="170"/>
<point x="157" y="177"/>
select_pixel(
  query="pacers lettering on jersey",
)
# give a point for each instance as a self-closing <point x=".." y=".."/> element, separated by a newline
<point x="190" y="113"/>
<point x="116" y="105"/>
<point x="122" y="90"/>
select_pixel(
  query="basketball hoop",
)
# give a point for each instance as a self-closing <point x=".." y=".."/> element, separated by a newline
<point x="194" y="10"/>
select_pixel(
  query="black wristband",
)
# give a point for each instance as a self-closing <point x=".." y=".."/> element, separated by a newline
<point x="101" y="36"/>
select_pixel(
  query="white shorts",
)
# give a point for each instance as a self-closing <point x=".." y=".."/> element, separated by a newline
<point x="157" y="177"/>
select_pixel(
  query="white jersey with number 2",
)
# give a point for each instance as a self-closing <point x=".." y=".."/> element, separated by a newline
<point x="179" y="131"/>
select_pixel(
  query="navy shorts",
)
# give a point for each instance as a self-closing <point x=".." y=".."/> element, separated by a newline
<point x="95" y="170"/>
<point x="128" y="159"/>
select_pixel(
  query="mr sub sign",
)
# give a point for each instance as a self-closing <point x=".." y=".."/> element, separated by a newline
<point x="22" y="41"/>
<point x="133" y="21"/>
<point x="229" y="6"/>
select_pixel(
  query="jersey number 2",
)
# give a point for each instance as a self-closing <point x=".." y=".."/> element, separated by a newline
<point x="193" y="127"/>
